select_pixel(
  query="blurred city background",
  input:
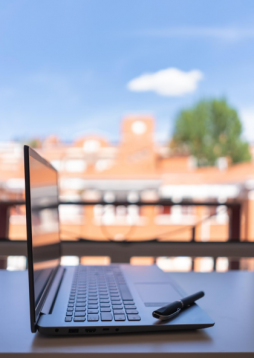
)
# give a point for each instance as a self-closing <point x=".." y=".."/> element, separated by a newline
<point x="146" y="111"/>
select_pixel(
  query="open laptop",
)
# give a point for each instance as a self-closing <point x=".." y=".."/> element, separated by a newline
<point x="87" y="300"/>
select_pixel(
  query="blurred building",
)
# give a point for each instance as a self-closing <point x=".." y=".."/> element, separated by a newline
<point x="136" y="169"/>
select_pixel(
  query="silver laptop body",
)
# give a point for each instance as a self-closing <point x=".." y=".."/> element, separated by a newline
<point x="87" y="300"/>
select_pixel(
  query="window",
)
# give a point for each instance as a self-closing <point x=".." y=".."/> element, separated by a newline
<point x="91" y="146"/>
<point x="57" y="164"/>
<point x="75" y="165"/>
<point x="103" y="164"/>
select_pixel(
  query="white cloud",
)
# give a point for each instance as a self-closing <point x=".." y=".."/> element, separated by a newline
<point x="247" y="117"/>
<point x="221" y="33"/>
<point x="168" y="82"/>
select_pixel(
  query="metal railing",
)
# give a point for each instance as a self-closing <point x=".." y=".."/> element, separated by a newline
<point x="123" y="251"/>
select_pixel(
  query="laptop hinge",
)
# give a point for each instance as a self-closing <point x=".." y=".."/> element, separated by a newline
<point x="51" y="296"/>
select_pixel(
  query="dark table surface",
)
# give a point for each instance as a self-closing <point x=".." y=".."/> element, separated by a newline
<point x="229" y="301"/>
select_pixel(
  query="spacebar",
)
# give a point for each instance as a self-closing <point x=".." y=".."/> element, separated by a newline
<point x="125" y="293"/>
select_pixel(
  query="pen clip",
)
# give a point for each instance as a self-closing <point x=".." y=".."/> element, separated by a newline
<point x="168" y="317"/>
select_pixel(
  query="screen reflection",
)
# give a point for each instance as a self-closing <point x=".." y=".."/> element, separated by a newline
<point x="45" y="224"/>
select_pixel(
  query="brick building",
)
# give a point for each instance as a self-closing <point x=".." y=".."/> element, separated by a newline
<point x="137" y="168"/>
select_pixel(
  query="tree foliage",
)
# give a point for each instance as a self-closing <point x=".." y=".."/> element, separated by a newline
<point x="209" y="130"/>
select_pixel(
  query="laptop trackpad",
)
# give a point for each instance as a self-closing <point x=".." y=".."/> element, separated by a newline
<point x="157" y="294"/>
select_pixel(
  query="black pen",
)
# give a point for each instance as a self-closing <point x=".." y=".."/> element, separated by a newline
<point x="171" y="310"/>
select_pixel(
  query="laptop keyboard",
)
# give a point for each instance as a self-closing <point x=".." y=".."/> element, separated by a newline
<point x="100" y="294"/>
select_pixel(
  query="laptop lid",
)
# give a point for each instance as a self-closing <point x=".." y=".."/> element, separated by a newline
<point x="43" y="235"/>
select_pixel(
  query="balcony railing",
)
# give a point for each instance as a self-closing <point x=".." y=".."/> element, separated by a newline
<point x="234" y="249"/>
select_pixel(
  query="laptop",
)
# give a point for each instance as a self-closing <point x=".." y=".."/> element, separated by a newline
<point x="89" y="300"/>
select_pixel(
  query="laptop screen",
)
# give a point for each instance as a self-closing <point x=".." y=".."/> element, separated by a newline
<point x="42" y="226"/>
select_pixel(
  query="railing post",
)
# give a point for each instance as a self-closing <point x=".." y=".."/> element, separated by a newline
<point x="3" y="263"/>
<point x="192" y="263"/>
<point x="214" y="263"/>
<point x="4" y="230"/>
<point x="193" y="233"/>
<point x="234" y="232"/>
<point x="235" y="223"/>
<point x="234" y="264"/>
<point x="4" y="221"/>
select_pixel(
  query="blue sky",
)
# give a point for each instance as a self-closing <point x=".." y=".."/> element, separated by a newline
<point x="66" y="66"/>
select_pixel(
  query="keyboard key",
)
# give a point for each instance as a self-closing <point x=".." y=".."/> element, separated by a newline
<point x="130" y="307"/>
<point x="70" y="304"/>
<point x="93" y="317"/>
<point x="117" y="303"/>
<point x="80" y="314"/>
<point x="105" y="305"/>
<point x="93" y="302"/>
<point x="81" y="304"/>
<point x="81" y="297"/>
<point x="68" y="319"/>
<point x="106" y="309"/>
<point x="80" y="309"/>
<point x="68" y="313"/>
<point x="93" y="311"/>
<point x="79" y="319"/>
<point x="81" y="301"/>
<point x="128" y="302"/>
<point x="117" y="307"/>
<point x="133" y="317"/>
<point x="91" y="307"/>
<point x="70" y="309"/>
<point x="104" y="301"/>
<point x="106" y="316"/>
<point x="119" y="312"/>
<point x="120" y="317"/>
<point x="131" y="311"/>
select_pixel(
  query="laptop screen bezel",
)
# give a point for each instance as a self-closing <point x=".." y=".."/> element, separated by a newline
<point x="34" y="310"/>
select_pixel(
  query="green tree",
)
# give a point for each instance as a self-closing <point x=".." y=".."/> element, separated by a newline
<point x="209" y="130"/>
<point x="35" y="143"/>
